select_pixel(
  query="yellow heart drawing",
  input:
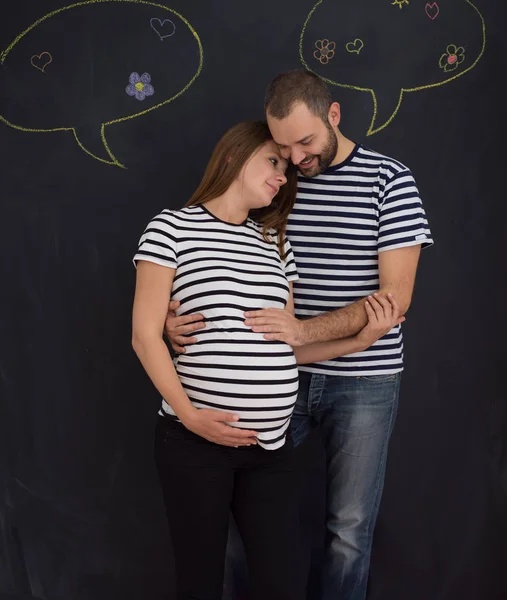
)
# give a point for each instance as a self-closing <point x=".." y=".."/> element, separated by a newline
<point x="41" y="61"/>
<point x="356" y="46"/>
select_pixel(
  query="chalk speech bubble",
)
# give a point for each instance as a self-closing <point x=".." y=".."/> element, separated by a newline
<point x="107" y="66"/>
<point x="388" y="48"/>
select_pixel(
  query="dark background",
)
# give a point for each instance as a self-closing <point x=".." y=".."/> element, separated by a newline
<point x="81" y="515"/>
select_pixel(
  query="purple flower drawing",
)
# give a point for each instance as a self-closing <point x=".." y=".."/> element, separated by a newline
<point x="139" y="86"/>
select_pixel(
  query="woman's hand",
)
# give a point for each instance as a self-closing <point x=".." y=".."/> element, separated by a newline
<point x="213" y="426"/>
<point x="383" y="314"/>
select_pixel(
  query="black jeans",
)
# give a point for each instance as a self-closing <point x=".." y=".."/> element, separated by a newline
<point x="201" y="483"/>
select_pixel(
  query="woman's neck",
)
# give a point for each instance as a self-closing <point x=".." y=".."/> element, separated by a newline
<point x="227" y="207"/>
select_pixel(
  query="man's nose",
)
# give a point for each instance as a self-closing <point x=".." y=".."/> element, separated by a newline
<point x="297" y="156"/>
<point x="285" y="152"/>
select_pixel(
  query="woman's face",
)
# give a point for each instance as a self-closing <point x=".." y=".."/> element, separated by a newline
<point x="262" y="176"/>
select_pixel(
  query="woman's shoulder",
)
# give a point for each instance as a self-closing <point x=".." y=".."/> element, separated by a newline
<point x="257" y="225"/>
<point x="179" y="216"/>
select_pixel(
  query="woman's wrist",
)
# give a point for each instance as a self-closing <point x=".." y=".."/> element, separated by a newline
<point x="359" y="344"/>
<point x="186" y="414"/>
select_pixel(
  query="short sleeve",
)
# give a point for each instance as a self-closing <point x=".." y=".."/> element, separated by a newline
<point x="289" y="262"/>
<point x="159" y="242"/>
<point x="402" y="219"/>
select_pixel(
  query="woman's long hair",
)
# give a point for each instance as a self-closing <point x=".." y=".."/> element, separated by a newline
<point x="228" y="158"/>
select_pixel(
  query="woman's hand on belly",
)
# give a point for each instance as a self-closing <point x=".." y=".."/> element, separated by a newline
<point x="213" y="425"/>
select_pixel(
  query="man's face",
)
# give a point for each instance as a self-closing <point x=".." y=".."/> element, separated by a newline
<point x="305" y="139"/>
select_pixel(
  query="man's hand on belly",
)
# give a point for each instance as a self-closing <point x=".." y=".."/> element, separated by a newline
<point x="277" y="324"/>
<point x="176" y="328"/>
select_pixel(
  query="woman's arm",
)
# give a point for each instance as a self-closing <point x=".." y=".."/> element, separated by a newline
<point x="153" y="290"/>
<point x="382" y="314"/>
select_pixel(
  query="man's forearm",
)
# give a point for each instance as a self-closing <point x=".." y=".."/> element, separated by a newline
<point x="335" y="325"/>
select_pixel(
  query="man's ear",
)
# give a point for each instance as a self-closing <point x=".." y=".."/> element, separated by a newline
<point x="334" y="114"/>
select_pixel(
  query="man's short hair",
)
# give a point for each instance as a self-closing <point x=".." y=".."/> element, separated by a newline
<point x="292" y="87"/>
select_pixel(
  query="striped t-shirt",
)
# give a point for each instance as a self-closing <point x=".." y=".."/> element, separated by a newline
<point x="341" y="220"/>
<point x="223" y="270"/>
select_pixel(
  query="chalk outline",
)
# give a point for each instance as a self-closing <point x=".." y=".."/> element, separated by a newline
<point x="328" y="58"/>
<point x="428" y="5"/>
<point x="372" y="131"/>
<point x="39" y="56"/>
<point x="114" y="160"/>
<point x="354" y="45"/>
<point x="400" y="3"/>
<point x="162" y="37"/>
<point x="448" y="54"/>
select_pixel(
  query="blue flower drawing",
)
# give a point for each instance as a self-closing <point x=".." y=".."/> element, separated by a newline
<point x="140" y="86"/>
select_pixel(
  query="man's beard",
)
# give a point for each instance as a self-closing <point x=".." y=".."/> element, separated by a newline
<point x="325" y="158"/>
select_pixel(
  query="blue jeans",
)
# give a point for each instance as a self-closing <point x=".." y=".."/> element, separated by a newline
<point x="355" y="417"/>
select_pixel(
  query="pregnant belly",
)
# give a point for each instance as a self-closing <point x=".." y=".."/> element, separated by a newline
<point x="261" y="390"/>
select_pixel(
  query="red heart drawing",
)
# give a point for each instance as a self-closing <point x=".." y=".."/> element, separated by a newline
<point x="432" y="10"/>
<point x="41" y="61"/>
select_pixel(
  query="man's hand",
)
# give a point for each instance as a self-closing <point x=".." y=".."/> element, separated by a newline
<point x="213" y="426"/>
<point x="277" y="324"/>
<point x="383" y="314"/>
<point x="176" y="328"/>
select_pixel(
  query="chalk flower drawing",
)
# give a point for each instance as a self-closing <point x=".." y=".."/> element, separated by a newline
<point x="453" y="56"/>
<point x="325" y="51"/>
<point x="140" y="86"/>
<point x="399" y="3"/>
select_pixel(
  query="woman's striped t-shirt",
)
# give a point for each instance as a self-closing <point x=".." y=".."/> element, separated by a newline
<point x="223" y="270"/>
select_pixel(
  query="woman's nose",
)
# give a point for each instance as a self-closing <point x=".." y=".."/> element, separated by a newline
<point x="281" y="178"/>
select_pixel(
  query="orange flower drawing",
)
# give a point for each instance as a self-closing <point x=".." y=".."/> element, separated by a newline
<point x="325" y="51"/>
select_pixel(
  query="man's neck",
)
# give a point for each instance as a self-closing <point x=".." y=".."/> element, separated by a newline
<point x="345" y="149"/>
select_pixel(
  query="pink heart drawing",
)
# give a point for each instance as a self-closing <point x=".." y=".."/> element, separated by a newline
<point x="432" y="10"/>
<point x="163" y="29"/>
<point x="41" y="61"/>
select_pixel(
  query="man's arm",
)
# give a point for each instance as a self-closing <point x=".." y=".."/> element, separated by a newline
<point x="397" y="271"/>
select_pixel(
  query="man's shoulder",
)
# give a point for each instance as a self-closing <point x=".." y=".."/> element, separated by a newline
<point x="382" y="161"/>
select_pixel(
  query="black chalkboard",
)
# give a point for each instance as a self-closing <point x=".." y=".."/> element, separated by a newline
<point x="108" y="113"/>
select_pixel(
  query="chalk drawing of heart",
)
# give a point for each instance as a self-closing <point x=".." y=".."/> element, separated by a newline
<point x="163" y="29"/>
<point x="356" y="46"/>
<point x="432" y="10"/>
<point x="41" y="61"/>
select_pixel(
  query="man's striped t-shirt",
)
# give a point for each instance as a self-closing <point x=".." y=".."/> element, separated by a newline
<point x="223" y="270"/>
<point x="342" y="219"/>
